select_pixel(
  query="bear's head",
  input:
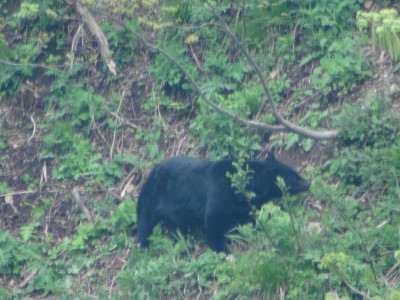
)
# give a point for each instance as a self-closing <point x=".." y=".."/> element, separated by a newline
<point x="293" y="181"/>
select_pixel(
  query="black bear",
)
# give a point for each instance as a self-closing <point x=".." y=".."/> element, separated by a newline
<point x="186" y="192"/>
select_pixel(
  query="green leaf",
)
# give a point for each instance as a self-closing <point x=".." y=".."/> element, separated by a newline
<point x="27" y="231"/>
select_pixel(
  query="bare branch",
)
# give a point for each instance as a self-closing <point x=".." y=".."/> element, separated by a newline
<point x="255" y="124"/>
<point x="365" y="296"/>
<point x="74" y="43"/>
<point x="316" y="135"/>
<point x="286" y="125"/>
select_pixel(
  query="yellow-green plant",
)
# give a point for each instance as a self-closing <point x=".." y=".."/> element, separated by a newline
<point x="385" y="29"/>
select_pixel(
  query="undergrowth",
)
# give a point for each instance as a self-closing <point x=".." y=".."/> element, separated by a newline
<point x="105" y="132"/>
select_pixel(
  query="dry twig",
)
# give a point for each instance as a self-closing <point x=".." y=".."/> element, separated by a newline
<point x="34" y="128"/>
<point x="83" y="207"/>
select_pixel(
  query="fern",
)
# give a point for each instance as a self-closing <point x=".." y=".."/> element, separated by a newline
<point x="27" y="231"/>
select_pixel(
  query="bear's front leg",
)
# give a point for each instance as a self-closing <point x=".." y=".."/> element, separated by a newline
<point x="216" y="227"/>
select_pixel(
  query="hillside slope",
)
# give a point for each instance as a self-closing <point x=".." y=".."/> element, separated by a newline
<point x="77" y="143"/>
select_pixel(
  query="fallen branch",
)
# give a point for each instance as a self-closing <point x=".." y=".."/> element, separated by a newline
<point x="127" y="183"/>
<point x="28" y="279"/>
<point x="85" y="210"/>
<point x="96" y="31"/>
<point x="17" y="193"/>
<point x="114" y="194"/>
<point x="125" y="121"/>
<point x="34" y="128"/>
<point x="9" y="199"/>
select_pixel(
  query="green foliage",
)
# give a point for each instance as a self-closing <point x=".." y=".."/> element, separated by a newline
<point x="385" y="29"/>
<point x="41" y="22"/>
<point x="77" y="108"/>
<point x="123" y="217"/>
<point x="166" y="72"/>
<point x="241" y="179"/>
<point x="369" y="122"/>
<point x="346" y="249"/>
<point x="55" y="265"/>
<point x="280" y="86"/>
<point x="234" y="140"/>
<point x="79" y="162"/>
<point x="11" y="77"/>
<point x="76" y="155"/>
<point x="326" y="31"/>
<point x="150" y="139"/>
<point x="150" y="275"/>
<point x="354" y="221"/>
<point x="5" y="188"/>
<point x="14" y="254"/>
<point x="125" y="7"/>
<point x="273" y="273"/>
<point x="275" y="251"/>
<point x="122" y="42"/>
<point x="341" y="239"/>
<point x="325" y="20"/>
<point x="74" y="103"/>
<point x="28" y="11"/>
<point x="59" y="140"/>
<point x="342" y="66"/>
<point x="3" y="145"/>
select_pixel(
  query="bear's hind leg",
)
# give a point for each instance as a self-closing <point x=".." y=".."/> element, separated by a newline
<point x="145" y="225"/>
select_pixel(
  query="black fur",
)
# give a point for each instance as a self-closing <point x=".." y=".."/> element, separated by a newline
<point x="188" y="192"/>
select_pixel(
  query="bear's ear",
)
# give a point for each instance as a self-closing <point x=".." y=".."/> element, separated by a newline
<point x="271" y="155"/>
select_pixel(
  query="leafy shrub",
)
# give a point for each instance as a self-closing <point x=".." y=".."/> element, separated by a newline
<point x="14" y="254"/>
<point x="339" y="68"/>
<point x="368" y="123"/>
<point x="385" y="30"/>
<point x="234" y="140"/>
<point x="166" y="72"/>
<point x="122" y="42"/>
